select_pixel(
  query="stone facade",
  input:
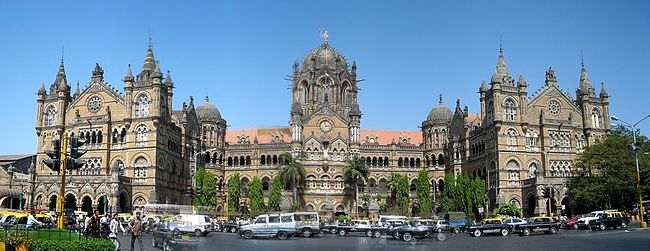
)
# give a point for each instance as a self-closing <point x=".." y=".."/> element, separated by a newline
<point x="137" y="146"/>
<point x="520" y="144"/>
<point x="141" y="151"/>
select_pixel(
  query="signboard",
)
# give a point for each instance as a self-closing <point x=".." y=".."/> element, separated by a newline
<point x="563" y="207"/>
<point x="480" y="209"/>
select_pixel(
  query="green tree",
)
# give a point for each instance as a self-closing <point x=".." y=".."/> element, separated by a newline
<point x="510" y="209"/>
<point x="208" y="187"/>
<point x="355" y="171"/>
<point x="403" y="195"/>
<point x="292" y="173"/>
<point x="463" y="194"/>
<point x="234" y="188"/>
<point x="393" y="184"/>
<point x="605" y="173"/>
<point x="423" y="190"/>
<point x="256" y="196"/>
<point x="275" y="195"/>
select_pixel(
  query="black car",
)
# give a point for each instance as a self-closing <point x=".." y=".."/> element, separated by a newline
<point x="489" y="226"/>
<point x="415" y="230"/>
<point x="610" y="220"/>
<point x="538" y="225"/>
<point x="170" y="240"/>
<point x="358" y="226"/>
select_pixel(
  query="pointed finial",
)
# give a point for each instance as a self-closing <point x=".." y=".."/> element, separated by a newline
<point x="62" y="50"/>
<point x="207" y="99"/>
<point x="440" y="99"/>
<point x="324" y="35"/>
<point x="78" y="89"/>
<point x="500" y="44"/>
<point x="458" y="102"/>
<point x="582" y="60"/>
<point x="150" y="40"/>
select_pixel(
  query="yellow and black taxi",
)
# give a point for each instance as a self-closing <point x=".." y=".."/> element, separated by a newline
<point x="489" y="226"/>
<point x="539" y="224"/>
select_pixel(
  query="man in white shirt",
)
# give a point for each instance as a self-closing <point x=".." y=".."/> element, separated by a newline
<point x="32" y="222"/>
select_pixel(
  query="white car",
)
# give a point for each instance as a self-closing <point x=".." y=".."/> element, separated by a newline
<point x="512" y="222"/>
<point x="584" y="221"/>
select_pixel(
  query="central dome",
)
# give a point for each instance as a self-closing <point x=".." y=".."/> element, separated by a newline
<point x="324" y="57"/>
<point x="208" y="112"/>
<point x="440" y="113"/>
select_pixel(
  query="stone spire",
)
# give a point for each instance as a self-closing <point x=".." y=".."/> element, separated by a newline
<point x="61" y="82"/>
<point x="522" y="81"/>
<point x="168" y="79"/>
<point x="98" y="74"/>
<point x="149" y="60"/>
<point x="501" y="74"/>
<point x="41" y="91"/>
<point x="585" y="86"/>
<point x="483" y="87"/>
<point x="129" y="75"/>
<point x="603" y="92"/>
<point x="157" y="73"/>
<point x="78" y="90"/>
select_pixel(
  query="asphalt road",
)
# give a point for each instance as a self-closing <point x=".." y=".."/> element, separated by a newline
<point x="565" y="240"/>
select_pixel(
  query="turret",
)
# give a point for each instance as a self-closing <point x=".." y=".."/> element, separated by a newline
<point x="98" y="74"/>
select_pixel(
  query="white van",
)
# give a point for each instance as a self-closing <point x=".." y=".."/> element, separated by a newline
<point x="201" y="225"/>
<point x="384" y="219"/>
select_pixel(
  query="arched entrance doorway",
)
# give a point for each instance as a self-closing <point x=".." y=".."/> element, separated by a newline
<point x="531" y="205"/>
<point x="86" y="204"/>
<point x="553" y="203"/>
<point x="52" y="204"/>
<point x="124" y="203"/>
<point x="70" y="202"/>
<point x="101" y="204"/>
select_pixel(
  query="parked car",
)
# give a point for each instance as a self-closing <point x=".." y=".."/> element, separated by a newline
<point x="308" y="223"/>
<point x="442" y="225"/>
<point x="512" y="222"/>
<point x="271" y="225"/>
<point x="610" y="219"/>
<point x="538" y="224"/>
<point x="489" y="226"/>
<point x="385" y="220"/>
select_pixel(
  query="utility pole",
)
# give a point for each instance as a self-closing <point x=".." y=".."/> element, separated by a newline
<point x="64" y="163"/>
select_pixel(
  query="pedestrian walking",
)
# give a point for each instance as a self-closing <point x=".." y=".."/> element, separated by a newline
<point x="136" y="231"/>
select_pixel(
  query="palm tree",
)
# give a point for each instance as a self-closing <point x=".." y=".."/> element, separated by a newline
<point x="356" y="170"/>
<point x="292" y="173"/>
<point x="393" y="184"/>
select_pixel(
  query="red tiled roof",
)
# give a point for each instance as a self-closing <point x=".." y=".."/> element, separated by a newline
<point x="383" y="137"/>
<point x="263" y="135"/>
<point x="473" y="119"/>
<point x="386" y="137"/>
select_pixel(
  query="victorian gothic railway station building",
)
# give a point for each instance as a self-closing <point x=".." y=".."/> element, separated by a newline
<point x="141" y="151"/>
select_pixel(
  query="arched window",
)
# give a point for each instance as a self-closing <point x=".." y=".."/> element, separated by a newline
<point x="121" y="169"/>
<point x="443" y="136"/>
<point x="596" y="118"/>
<point x="50" y="116"/>
<point x="513" y="173"/>
<point x="142" y="103"/>
<point x="141" y="135"/>
<point x="441" y="159"/>
<point x="140" y="168"/>
<point x="100" y="137"/>
<point x="510" y="109"/>
<point x="511" y="137"/>
<point x="311" y="181"/>
<point x="532" y="170"/>
<point x="123" y="135"/>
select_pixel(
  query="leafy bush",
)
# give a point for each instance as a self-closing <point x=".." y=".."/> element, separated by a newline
<point x="73" y="245"/>
<point x="510" y="209"/>
<point x="16" y="240"/>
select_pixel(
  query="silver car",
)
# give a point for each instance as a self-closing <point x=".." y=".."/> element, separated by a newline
<point x="271" y="225"/>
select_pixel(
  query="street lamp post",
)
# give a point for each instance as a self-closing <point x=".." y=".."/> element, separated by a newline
<point x="636" y="157"/>
<point x="10" y="171"/>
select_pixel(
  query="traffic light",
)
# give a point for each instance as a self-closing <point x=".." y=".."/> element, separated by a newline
<point x="546" y="192"/>
<point x="552" y="192"/>
<point x="74" y="162"/>
<point x="54" y="162"/>
<point x="197" y="191"/>
<point x="189" y="192"/>
<point x="644" y="178"/>
<point x="636" y="146"/>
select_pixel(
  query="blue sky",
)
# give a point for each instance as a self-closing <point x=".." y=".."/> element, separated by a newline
<point x="239" y="52"/>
